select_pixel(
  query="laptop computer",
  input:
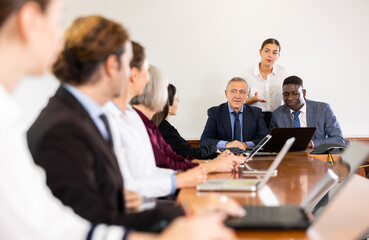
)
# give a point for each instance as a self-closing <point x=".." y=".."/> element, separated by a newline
<point x="257" y="148"/>
<point x="249" y="153"/>
<point x="245" y="184"/>
<point x="301" y="217"/>
<point x="280" y="135"/>
<point x="249" y="171"/>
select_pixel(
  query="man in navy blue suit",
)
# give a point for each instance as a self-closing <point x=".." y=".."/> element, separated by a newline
<point x="301" y="112"/>
<point x="234" y="124"/>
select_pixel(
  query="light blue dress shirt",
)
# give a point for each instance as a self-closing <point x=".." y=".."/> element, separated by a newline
<point x="92" y="108"/>
<point x="221" y="144"/>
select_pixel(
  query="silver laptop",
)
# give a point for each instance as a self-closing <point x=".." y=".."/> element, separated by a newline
<point x="249" y="153"/>
<point x="246" y="184"/>
<point x="257" y="147"/>
<point x="301" y="217"/>
<point x="249" y="171"/>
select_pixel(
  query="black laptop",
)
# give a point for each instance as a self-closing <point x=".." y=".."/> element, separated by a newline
<point x="280" y="136"/>
<point x="301" y="217"/>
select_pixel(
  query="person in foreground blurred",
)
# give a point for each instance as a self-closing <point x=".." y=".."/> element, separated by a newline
<point x="71" y="138"/>
<point x="138" y="163"/>
<point x="28" y="44"/>
<point x="152" y="101"/>
<point x="132" y="144"/>
<point x="172" y="136"/>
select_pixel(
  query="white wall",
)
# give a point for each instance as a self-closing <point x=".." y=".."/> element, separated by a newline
<point x="201" y="44"/>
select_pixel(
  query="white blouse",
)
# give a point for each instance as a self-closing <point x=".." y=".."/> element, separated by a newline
<point x="269" y="89"/>
<point x="134" y="152"/>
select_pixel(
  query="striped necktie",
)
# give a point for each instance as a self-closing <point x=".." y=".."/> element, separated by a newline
<point x="296" y="120"/>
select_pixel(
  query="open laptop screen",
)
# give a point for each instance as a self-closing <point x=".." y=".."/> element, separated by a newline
<point x="259" y="146"/>
<point x="280" y="135"/>
<point x="344" y="168"/>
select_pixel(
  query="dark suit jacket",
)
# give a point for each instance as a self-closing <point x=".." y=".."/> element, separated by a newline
<point x="181" y="146"/>
<point x="218" y="126"/>
<point x="81" y="169"/>
<point x="319" y="115"/>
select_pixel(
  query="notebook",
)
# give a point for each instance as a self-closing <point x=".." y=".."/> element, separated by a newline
<point x="280" y="135"/>
<point x="301" y="217"/>
<point x="246" y="184"/>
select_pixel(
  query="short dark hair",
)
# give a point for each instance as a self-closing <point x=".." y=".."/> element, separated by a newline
<point x="138" y="55"/>
<point x="89" y="41"/>
<point x="293" y="80"/>
<point x="7" y="7"/>
<point x="271" y="41"/>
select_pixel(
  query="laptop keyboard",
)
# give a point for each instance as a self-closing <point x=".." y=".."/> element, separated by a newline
<point x="270" y="213"/>
<point x="263" y="217"/>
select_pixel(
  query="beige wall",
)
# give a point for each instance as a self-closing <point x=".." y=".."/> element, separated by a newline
<point x="201" y="44"/>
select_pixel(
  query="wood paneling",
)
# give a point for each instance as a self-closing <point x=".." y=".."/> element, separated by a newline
<point x="196" y="143"/>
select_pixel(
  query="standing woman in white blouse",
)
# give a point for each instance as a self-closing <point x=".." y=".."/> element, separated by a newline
<point x="265" y="80"/>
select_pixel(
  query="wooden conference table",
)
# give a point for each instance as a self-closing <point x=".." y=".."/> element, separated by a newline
<point x="297" y="175"/>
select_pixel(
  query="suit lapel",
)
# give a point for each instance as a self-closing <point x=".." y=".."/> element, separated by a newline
<point x="227" y="121"/>
<point x="245" y="122"/>
<point x="310" y="112"/>
<point x="90" y="127"/>
<point x="287" y="117"/>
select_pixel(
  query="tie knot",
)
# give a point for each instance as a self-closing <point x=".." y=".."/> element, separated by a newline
<point x="235" y="114"/>
<point x="296" y="114"/>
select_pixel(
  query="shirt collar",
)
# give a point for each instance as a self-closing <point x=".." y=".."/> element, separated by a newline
<point x="93" y="109"/>
<point x="9" y="105"/>
<point x="113" y="109"/>
<point x="230" y="110"/>
<point x="274" y="71"/>
<point x="257" y="70"/>
<point x="302" y="110"/>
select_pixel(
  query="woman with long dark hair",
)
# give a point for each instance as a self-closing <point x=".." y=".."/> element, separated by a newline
<point x="171" y="134"/>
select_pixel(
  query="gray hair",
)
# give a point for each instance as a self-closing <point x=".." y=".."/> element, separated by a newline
<point x="238" y="79"/>
<point x="155" y="94"/>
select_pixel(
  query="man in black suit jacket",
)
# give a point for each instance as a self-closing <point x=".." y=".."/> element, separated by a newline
<point x="234" y="124"/>
<point x="71" y="140"/>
